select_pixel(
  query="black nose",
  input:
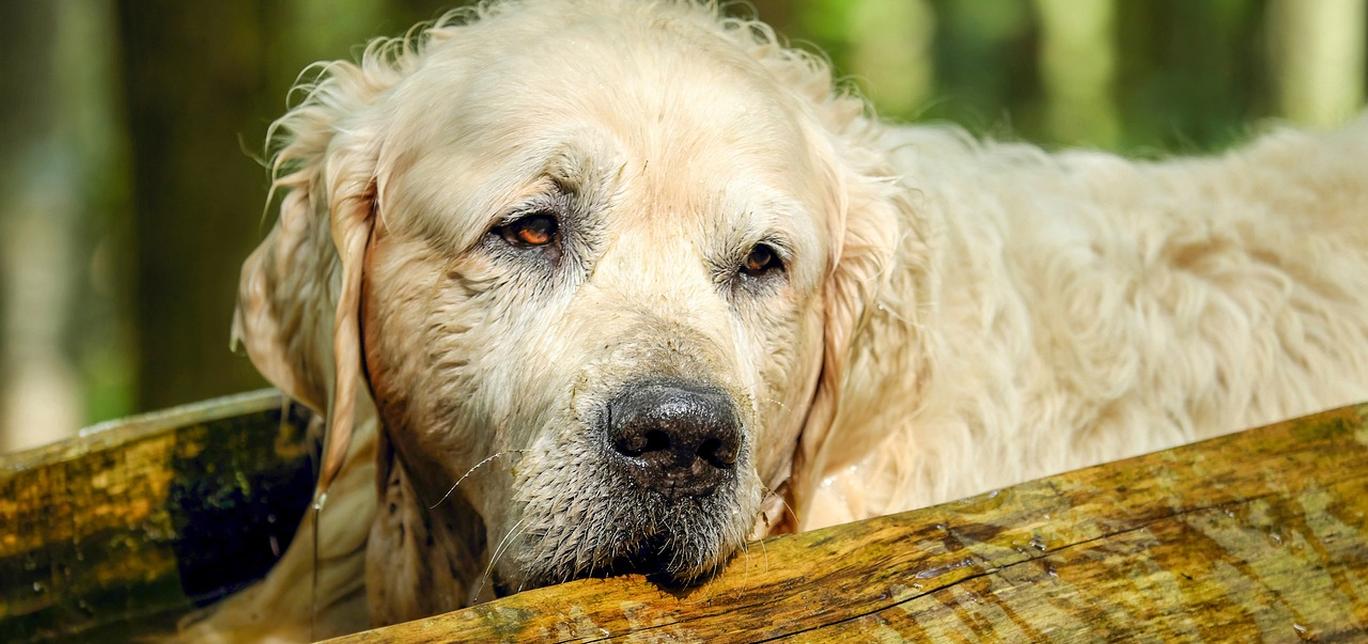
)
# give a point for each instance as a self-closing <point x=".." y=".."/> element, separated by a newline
<point x="678" y="439"/>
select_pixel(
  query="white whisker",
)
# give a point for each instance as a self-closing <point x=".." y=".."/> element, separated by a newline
<point x="498" y="552"/>
<point x="477" y="466"/>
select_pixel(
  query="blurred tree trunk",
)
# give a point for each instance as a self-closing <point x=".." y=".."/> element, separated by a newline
<point x="984" y="54"/>
<point x="40" y="386"/>
<point x="884" y="46"/>
<point x="61" y="226"/>
<point x="195" y="74"/>
<point x="204" y="81"/>
<point x="892" y="52"/>
<point x="1317" y="49"/>
<point x="1078" y="65"/>
<point x="1193" y="75"/>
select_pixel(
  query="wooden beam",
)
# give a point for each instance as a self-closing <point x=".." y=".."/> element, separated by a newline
<point x="141" y="520"/>
<point x="1260" y="534"/>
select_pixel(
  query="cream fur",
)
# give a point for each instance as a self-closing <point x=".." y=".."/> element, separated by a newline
<point x="1086" y="308"/>
<point x="955" y="315"/>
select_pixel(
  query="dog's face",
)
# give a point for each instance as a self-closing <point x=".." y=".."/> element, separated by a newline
<point x="602" y="265"/>
<point x="603" y="261"/>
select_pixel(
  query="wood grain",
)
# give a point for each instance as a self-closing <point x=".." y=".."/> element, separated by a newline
<point x="1260" y="534"/>
<point x="149" y="517"/>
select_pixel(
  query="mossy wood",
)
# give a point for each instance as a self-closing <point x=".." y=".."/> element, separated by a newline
<point x="1256" y="535"/>
<point x="1261" y="533"/>
<point x="136" y="522"/>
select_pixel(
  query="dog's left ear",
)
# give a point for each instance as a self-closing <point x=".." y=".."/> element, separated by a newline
<point x="870" y="218"/>
<point x="298" y="311"/>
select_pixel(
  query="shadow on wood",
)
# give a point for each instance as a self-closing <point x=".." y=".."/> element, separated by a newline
<point x="139" y="521"/>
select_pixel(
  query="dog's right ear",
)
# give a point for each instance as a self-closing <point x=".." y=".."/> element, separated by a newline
<point x="298" y="298"/>
<point x="283" y="307"/>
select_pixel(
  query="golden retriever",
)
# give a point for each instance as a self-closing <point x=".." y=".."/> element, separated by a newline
<point x="586" y="286"/>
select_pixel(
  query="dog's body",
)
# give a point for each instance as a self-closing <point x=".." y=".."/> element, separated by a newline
<point x="1090" y="308"/>
<point x="916" y="316"/>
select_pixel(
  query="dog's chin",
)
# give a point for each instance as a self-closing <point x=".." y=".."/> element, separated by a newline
<point x="657" y="557"/>
<point x="677" y="546"/>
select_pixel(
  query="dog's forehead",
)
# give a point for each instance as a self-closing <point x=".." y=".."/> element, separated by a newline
<point x="672" y="83"/>
<point x="685" y="114"/>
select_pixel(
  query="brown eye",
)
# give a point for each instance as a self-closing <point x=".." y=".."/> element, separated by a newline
<point x="762" y="259"/>
<point x="538" y="229"/>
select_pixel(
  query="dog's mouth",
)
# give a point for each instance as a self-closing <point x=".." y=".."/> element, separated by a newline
<point x="650" y="557"/>
<point x="677" y="543"/>
<point x="658" y="557"/>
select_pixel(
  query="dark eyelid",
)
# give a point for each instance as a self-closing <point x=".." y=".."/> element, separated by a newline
<point x="552" y="203"/>
<point x="781" y="249"/>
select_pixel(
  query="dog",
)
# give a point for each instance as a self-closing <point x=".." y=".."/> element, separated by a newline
<point x="596" y="286"/>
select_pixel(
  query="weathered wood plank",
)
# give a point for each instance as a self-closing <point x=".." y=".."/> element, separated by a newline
<point x="149" y="516"/>
<point x="1260" y="534"/>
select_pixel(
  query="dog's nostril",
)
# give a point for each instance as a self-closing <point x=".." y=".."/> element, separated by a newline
<point x="657" y="441"/>
<point x="713" y="452"/>
<point x="681" y="439"/>
<point x="639" y="443"/>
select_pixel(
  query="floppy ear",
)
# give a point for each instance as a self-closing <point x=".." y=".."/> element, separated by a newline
<point x="298" y="299"/>
<point x="870" y="220"/>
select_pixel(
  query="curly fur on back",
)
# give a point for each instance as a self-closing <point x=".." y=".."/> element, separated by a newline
<point x="1087" y="308"/>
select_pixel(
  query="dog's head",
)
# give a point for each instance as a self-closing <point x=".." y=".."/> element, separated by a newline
<point x="612" y="253"/>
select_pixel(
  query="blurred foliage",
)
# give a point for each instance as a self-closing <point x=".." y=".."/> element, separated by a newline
<point x="131" y="189"/>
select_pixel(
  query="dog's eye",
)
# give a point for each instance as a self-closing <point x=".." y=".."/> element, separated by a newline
<point x="761" y="259"/>
<point x="537" y="229"/>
